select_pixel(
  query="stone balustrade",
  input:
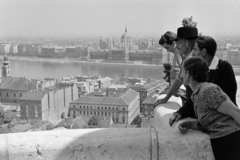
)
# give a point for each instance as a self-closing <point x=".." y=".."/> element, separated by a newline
<point x="104" y="144"/>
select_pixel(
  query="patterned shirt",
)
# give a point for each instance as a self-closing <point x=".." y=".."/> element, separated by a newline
<point x="207" y="97"/>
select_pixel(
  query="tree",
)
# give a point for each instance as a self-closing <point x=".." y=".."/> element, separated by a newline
<point x="2" y="113"/>
<point x="95" y="121"/>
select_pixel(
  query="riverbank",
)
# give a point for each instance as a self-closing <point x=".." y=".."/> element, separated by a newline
<point x="72" y="60"/>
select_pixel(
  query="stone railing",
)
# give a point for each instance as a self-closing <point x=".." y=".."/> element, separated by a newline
<point x="156" y="143"/>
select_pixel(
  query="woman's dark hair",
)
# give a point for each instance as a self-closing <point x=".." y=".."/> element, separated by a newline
<point x="168" y="38"/>
<point x="208" y="43"/>
<point x="197" y="68"/>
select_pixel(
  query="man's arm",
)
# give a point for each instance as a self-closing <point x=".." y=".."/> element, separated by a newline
<point x="175" y="86"/>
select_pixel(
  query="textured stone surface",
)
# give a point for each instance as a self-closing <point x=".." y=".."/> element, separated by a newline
<point x="84" y="144"/>
<point x="163" y="112"/>
<point x="106" y="144"/>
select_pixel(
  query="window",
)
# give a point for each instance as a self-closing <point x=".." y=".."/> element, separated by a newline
<point x="26" y="110"/>
<point x="7" y="94"/>
<point x="20" y="95"/>
<point x="14" y="94"/>
<point x="80" y="107"/>
<point x="123" y="109"/>
<point x="36" y="113"/>
<point x="74" y="106"/>
<point x="109" y="108"/>
<point x="116" y="108"/>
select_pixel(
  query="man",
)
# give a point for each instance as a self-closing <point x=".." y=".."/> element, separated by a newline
<point x="167" y="41"/>
<point x="221" y="73"/>
<point x="185" y="43"/>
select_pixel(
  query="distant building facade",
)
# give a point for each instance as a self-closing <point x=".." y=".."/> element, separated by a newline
<point x="48" y="104"/>
<point x="145" y="90"/>
<point x="122" y="109"/>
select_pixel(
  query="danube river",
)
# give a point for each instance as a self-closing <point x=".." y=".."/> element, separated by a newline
<point x="47" y="68"/>
<point x="61" y="68"/>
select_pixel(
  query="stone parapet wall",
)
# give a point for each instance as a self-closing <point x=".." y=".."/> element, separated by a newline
<point x="105" y="144"/>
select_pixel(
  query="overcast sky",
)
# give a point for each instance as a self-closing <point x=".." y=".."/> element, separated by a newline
<point x="109" y="17"/>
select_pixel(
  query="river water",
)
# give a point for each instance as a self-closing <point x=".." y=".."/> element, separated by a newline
<point x="61" y="68"/>
<point x="57" y="69"/>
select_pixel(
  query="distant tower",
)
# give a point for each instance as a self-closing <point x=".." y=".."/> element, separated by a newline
<point x="5" y="67"/>
<point x="126" y="43"/>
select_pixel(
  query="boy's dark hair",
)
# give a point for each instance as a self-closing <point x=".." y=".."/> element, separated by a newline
<point x="168" y="38"/>
<point x="208" y="43"/>
<point x="197" y="68"/>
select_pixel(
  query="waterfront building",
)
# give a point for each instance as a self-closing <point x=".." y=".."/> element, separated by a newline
<point x="70" y="49"/>
<point x="122" y="109"/>
<point x="5" y="48"/>
<point x="233" y="56"/>
<point x="48" y="50"/>
<point x="99" y="53"/>
<point x="13" y="48"/>
<point x="33" y="49"/>
<point x="60" y="49"/>
<point x="21" y="48"/>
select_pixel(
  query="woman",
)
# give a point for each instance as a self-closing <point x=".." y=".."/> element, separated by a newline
<point x="216" y="113"/>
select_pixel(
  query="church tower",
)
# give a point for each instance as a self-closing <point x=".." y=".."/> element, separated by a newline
<point x="126" y="42"/>
<point x="5" y="67"/>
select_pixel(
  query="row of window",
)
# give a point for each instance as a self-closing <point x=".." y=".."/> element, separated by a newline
<point x="14" y="95"/>
<point x="97" y="113"/>
<point x="91" y="107"/>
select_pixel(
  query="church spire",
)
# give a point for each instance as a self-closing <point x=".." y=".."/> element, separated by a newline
<point x="5" y="67"/>
<point x="125" y="28"/>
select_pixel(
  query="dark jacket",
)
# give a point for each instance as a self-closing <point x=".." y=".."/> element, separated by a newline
<point x="224" y="77"/>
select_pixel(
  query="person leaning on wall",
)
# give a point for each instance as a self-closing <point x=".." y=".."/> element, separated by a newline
<point x="186" y="37"/>
<point x="217" y="115"/>
<point x="168" y="42"/>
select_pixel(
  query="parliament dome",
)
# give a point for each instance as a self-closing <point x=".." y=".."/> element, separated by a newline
<point x="125" y="35"/>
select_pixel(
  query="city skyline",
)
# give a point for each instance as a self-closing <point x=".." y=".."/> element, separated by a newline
<point x="62" y="18"/>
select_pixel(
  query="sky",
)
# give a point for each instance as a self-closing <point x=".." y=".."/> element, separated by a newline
<point x="66" y="18"/>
